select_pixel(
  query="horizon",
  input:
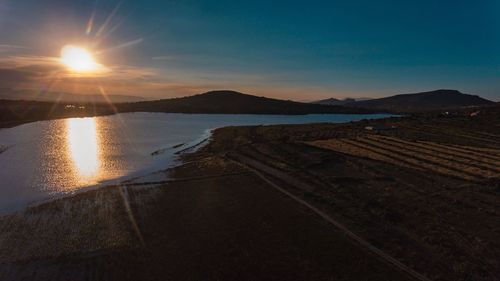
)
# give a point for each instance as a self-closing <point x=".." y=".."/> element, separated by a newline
<point x="158" y="49"/>
<point x="249" y="140"/>
<point x="139" y="98"/>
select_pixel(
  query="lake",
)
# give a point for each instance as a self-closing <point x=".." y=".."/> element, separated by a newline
<point x="52" y="158"/>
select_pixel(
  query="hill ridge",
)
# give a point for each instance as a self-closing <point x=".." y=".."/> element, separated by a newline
<point x="423" y="101"/>
<point x="233" y="102"/>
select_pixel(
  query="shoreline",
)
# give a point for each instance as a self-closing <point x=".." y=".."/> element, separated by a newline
<point x="163" y="159"/>
<point x="213" y="209"/>
<point x="13" y="124"/>
<point x="134" y="178"/>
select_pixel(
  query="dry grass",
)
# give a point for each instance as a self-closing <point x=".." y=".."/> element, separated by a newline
<point x="468" y="163"/>
<point x="88" y="222"/>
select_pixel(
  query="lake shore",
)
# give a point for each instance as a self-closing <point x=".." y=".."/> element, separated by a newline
<point x="82" y="152"/>
<point x="220" y="217"/>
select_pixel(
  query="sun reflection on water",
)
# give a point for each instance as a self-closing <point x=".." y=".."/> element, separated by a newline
<point x="83" y="147"/>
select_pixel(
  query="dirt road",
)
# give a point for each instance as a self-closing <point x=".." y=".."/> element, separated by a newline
<point x="259" y="168"/>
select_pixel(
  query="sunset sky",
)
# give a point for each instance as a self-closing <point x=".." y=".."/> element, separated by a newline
<point x="301" y="50"/>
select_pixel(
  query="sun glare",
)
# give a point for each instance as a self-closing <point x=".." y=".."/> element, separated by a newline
<point x="78" y="59"/>
<point x="83" y="146"/>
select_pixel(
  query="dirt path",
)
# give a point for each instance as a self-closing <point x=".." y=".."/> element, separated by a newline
<point x="238" y="227"/>
<point x="214" y="220"/>
<point x="258" y="168"/>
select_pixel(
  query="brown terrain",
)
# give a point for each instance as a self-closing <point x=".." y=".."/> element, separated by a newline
<point x="296" y="202"/>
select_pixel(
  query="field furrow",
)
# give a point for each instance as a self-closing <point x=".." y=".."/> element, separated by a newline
<point x="487" y="160"/>
<point x="433" y="133"/>
<point x="357" y="148"/>
<point x="457" y="133"/>
<point x="486" y="153"/>
<point x="451" y="161"/>
<point x="425" y="158"/>
<point x="487" y="170"/>
<point x="447" y="151"/>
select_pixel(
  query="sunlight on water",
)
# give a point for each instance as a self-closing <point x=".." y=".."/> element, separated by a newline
<point x="83" y="147"/>
<point x="50" y="158"/>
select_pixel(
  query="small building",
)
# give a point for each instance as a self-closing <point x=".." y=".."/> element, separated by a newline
<point x="380" y="128"/>
<point x="475" y="113"/>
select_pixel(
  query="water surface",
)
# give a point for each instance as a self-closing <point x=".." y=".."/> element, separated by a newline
<point x="49" y="158"/>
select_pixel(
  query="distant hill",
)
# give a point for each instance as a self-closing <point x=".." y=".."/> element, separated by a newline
<point x="426" y="101"/>
<point x="230" y="102"/>
<point x="16" y="112"/>
<point x="31" y="95"/>
<point x="334" y="101"/>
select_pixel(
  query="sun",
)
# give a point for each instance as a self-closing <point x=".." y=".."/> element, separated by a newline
<point x="78" y="59"/>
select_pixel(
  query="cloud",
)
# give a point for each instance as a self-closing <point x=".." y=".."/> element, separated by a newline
<point x="42" y="73"/>
<point x="163" y="58"/>
<point x="38" y="72"/>
<point x="50" y="65"/>
<point x="47" y="73"/>
<point x="9" y="48"/>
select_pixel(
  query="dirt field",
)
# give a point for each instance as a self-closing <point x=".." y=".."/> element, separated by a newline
<point x="427" y="196"/>
<point x="299" y="202"/>
<point x="464" y="162"/>
<point x="215" y="221"/>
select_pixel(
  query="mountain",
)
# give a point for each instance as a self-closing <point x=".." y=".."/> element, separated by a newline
<point x="426" y="101"/>
<point x="230" y="102"/>
<point x="31" y="95"/>
<point x="334" y="101"/>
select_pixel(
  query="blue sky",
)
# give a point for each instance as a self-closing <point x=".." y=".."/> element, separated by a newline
<point x="301" y="50"/>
